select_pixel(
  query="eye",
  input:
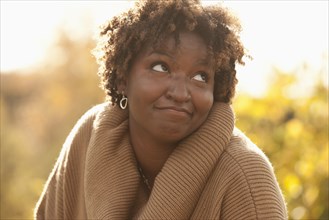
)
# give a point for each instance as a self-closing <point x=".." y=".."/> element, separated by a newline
<point x="160" y="67"/>
<point x="201" y="77"/>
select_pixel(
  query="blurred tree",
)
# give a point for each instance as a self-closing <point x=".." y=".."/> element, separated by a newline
<point x="37" y="112"/>
<point x="293" y="132"/>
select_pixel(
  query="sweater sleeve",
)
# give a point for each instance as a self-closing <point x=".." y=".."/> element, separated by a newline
<point x="51" y="204"/>
<point x="253" y="192"/>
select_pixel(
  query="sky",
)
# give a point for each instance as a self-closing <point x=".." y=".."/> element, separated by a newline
<point x="284" y="34"/>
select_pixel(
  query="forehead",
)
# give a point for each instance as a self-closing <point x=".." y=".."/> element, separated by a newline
<point x="185" y="40"/>
<point x="188" y="41"/>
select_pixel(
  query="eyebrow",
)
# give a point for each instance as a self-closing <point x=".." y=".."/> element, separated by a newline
<point x="161" y="52"/>
<point x="204" y="62"/>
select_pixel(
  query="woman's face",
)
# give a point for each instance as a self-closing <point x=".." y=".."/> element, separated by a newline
<point x="170" y="89"/>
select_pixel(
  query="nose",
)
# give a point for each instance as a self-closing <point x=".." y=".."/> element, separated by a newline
<point x="178" y="89"/>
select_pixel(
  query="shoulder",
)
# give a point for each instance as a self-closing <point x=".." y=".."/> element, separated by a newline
<point x="69" y="168"/>
<point x="252" y="182"/>
<point x="248" y="162"/>
<point x="80" y="135"/>
<point x="88" y="119"/>
<point x="243" y="150"/>
<point x="93" y="113"/>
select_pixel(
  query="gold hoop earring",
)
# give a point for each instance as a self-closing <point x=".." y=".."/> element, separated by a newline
<point x="123" y="102"/>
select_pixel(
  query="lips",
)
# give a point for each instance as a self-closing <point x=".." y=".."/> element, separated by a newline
<point x="177" y="109"/>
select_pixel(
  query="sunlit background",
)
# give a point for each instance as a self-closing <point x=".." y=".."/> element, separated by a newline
<point x="48" y="79"/>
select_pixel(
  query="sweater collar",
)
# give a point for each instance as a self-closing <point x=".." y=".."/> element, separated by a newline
<point x="111" y="170"/>
<point x="178" y="186"/>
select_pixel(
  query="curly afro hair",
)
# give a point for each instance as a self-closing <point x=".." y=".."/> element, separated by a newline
<point x="152" y="21"/>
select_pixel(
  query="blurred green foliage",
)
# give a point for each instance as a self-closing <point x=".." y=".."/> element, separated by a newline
<point x="39" y="109"/>
<point x="293" y="132"/>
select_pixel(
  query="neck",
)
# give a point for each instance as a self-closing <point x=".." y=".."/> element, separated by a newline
<point x="150" y="154"/>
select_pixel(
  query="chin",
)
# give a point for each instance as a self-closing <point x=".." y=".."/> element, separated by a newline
<point x="174" y="135"/>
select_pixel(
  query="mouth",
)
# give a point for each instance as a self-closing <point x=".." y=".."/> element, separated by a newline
<point x="177" y="109"/>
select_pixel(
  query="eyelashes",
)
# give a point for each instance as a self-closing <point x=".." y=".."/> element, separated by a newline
<point x="202" y="77"/>
<point x="160" y="67"/>
<point x="163" y="68"/>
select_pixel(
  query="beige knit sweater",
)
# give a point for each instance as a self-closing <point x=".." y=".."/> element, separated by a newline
<point x="215" y="173"/>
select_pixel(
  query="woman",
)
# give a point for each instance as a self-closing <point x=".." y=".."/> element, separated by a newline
<point x="164" y="146"/>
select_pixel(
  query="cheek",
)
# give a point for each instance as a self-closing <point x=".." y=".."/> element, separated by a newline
<point x="203" y="102"/>
<point x="144" y="91"/>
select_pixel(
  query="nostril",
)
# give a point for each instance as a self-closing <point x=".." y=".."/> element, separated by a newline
<point x="178" y="91"/>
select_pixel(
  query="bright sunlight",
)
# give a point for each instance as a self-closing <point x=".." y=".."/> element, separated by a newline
<point x="276" y="33"/>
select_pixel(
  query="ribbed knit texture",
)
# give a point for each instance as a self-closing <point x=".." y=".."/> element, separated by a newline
<point x="215" y="173"/>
